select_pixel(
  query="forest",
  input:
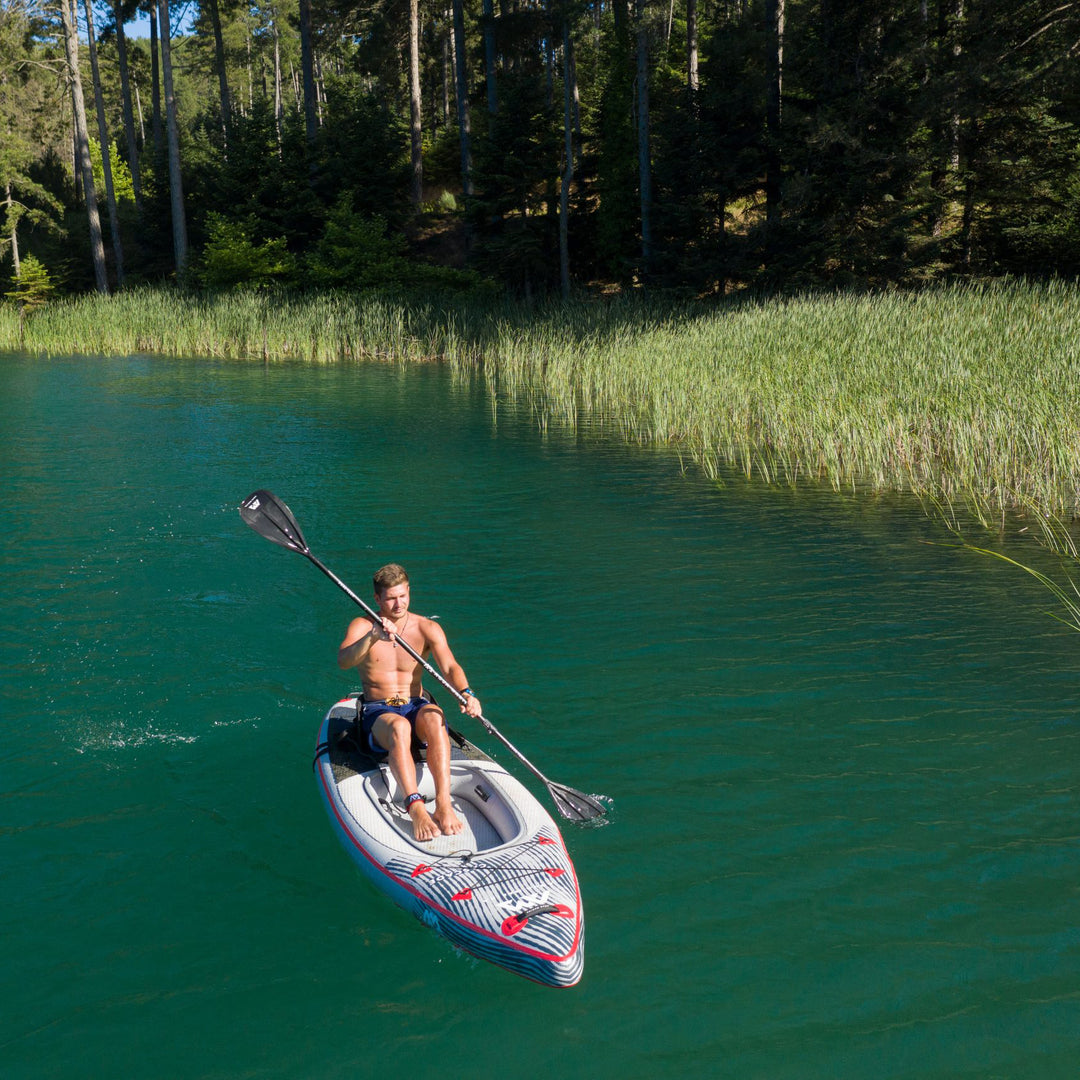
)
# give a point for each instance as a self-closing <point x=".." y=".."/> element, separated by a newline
<point x="537" y="147"/>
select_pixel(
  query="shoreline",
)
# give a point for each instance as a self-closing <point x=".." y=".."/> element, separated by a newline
<point x="964" y="393"/>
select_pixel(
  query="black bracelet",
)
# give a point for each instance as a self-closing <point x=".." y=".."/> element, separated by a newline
<point x="410" y="799"/>
<point x="467" y="692"/>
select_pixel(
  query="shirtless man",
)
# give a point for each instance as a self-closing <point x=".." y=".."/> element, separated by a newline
<point x="393" y="707"/>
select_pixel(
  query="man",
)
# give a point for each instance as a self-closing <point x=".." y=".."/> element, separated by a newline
<point x="393" y="708"/>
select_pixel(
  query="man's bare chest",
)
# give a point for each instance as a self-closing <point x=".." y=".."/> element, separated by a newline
<point x="386" y="656"/>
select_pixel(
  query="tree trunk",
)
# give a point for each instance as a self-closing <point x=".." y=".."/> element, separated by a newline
<point x="307" y="62"/>
<point x="446" y="77"/>
<point x="965" y="140"/>
<point x="549" y="65"/>
<point x="76" y="165"/>
<point x="320" y="87"/>
<point x="82" y="145"/>
<point x="155" y="79"/>
<point x="489" y="56"/>
<point x="176" y="187"/>
<point x="644" y="155"/>
<point x="142" y="119"/>
<point x="250" y="72"/>
<point x="13" y="239"/>
<point x="551" y="199"/>
<point x="219" y="61"/>
<point x="416" y="129"/>
<point x="692" y="49"/>
<point x="568" y="173"/>
<point x="461" y="91"/>
<point x="957" y="212"/>
<point x="106" y="150"/>
<point x="619" y="12"/>
<point x="125" y="95"/>
<point x="944" y="174"/>
<point x="774" y="15"/>
<point x="956" y="51"/>
<point x="277" y="76"/>
<point x="576" y="92"/>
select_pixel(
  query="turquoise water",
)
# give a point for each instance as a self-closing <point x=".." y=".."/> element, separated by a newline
<point x="844" y="758"/>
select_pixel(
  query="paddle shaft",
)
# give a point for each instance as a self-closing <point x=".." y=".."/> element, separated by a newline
<point x="433" y="672"/>
<point x="274" y="521"/>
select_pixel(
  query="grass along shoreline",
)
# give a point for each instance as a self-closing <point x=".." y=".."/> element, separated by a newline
<point x="964" y="393"/>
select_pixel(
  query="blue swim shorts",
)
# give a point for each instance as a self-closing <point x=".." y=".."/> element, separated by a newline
<point x="370" y="711"/>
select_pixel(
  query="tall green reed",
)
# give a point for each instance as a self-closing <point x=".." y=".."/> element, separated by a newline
<point x="969" y="392"/>
<point x="322" y="328"/>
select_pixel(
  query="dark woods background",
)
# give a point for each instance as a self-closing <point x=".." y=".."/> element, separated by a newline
<point x="547" y="145"/>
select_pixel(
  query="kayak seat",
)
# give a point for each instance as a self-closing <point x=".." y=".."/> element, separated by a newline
<point x="346" y="746"/>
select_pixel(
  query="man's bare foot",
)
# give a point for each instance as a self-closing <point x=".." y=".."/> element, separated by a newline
<point x="424" y="828"/>
<point x="447" y="820"/>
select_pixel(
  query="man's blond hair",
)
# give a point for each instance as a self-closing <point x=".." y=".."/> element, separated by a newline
<point x="388" y="576"/>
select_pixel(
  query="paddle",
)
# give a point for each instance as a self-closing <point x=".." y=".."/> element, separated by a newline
<point x="271" y="518"/>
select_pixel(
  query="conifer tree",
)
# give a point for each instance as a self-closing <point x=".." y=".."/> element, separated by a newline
<point x="82" y="144"/>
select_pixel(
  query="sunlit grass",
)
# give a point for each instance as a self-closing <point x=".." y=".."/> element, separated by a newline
<point x="967" y="393"/>
<point x="322" y="328"/>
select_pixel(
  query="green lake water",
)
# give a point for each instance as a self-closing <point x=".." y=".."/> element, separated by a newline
<point x="844" y="756"/>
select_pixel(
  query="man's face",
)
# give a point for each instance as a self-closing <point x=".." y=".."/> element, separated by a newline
<point x="394" y="602"/>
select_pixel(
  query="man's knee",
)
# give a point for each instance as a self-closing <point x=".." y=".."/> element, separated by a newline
<point x="429" y="723"/>
<point x="393" y="730"/>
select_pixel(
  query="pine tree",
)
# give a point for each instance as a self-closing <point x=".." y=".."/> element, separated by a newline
<point x="33" y="286"/>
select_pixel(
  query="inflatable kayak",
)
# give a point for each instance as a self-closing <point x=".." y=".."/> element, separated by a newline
<point x="504" y="889"/>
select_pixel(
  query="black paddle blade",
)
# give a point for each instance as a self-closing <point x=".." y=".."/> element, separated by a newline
<point x="270" y="517"/>
<point x="576" y="805"/>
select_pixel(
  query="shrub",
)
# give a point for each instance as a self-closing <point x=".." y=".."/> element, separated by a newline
<point x="32" y="286"/>
<point x="232" y="260"/>
<point x="356" y="251"/>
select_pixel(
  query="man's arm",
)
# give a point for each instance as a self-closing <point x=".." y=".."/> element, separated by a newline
<point x="359" y="638"/>
<point x="451" y="669"/>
